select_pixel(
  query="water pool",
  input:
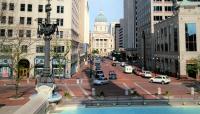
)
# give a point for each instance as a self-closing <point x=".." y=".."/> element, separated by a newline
<point x="133" y="110"/>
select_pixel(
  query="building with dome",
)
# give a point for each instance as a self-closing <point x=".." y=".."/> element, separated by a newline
<point x="101" y="39"/>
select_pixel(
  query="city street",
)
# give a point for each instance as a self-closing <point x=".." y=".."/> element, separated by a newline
<point x="115" y="88"/>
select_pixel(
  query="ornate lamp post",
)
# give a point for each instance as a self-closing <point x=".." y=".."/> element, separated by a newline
<point x="47" y="29"/>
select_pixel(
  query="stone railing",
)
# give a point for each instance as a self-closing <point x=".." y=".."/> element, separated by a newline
<point x="37" y="105"/>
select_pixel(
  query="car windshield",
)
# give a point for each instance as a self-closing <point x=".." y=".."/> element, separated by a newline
<point x="148" y="72"/>
<point x="99" y="72"/>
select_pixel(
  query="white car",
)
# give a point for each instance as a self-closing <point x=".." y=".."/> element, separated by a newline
<point x="100" y="81"/>
<point x="147" y="74"/>
<point x="123" y="64"/>
<point x="160" y="79"/>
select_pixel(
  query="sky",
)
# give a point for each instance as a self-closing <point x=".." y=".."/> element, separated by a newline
<point x="113" y="10"/>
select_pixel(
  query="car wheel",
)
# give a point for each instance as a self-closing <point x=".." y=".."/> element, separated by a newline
<point x="151" y="81"/>
<point x="163" y="82"/>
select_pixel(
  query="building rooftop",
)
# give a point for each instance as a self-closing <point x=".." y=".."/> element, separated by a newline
<point x="101" y="17"/>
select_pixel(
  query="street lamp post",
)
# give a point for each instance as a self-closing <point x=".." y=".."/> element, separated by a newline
<point x="47" y="29"/>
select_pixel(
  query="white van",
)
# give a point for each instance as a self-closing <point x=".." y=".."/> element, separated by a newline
<point x="128" y="69"/>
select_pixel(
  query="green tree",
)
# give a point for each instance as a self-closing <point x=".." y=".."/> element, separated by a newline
<point x="60" y="57"/>
<point x="15" y="49"/>
<point x="95" y="51"/>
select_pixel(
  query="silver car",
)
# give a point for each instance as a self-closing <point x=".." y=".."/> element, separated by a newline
<point x="163" y="79"/>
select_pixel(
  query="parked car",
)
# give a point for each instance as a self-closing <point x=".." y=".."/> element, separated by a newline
<point x="100" y="81"/>
<point x="112" y="75"/>
<point x="140" y="73"/>
<point x="99" y="73"/>
<point x="147" y="74"/>
<point x="114" y="64"/>
<point x="123" y="64"/>
<point x="163" y="79"/>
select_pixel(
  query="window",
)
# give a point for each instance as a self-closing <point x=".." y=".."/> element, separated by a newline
<point x="59" y="49"/>
<point x="157" y="8"/>
<point x="29" y="8"/>
<point x="3" y="19"/>
<point x="4" y="5"/>
<point x="22" y="7"/>
<point x="24" y="48"/>
<point x="40" y="8"/>
<point x="2" y="32"/>
<point x="157" y="18"/>
<point x="61" y="34"/>
<point x="168" y="8"/>
<point x="40" y="49"/>
<point x="11" y="6"/>
<point x="29" y="20"/>
<point x="60" y="22"/>
<point x="21" y="20"/>
<point x="21" y="33"/>
<point x="175" y="39"/>
<point x="28" y="33"/>
<point x="60" y="9"/>
<point x="190" y="35"/>
<point x="10" y="20"/>
<point x="10" y="32"/>
<point x="39" y="20"/>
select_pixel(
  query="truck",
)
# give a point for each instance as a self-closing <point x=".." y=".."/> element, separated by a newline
<point x="128" y="69"/>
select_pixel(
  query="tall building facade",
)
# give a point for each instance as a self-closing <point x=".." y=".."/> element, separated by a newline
<point x="129" y="27"/>
<point x="117" y="35"/>
<point x="148" y="13"/>
<point x="101" y="39"/>
<point x="84" y="32"/>
<point x="20" y="19"/>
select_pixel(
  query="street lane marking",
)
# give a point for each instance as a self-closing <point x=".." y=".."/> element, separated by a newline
<point x="83" y="90"/>
<point x="149" y="93"/>
<point x="69" y="90"/>
<point x="126" y="86"/>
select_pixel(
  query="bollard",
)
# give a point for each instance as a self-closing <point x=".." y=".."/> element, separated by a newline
<point x="77" y="81"/>
<point x="93" y="92"/>
<point x="159" y="91"/>
<point x="126" y="92"/>
<point x="192" y="90"/>
<point x="81" y="81"/>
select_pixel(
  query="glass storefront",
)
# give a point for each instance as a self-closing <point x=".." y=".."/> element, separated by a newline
<point x="58" y="67"/>
<point x="5" y="69"/>
<point x="39" y="65"/>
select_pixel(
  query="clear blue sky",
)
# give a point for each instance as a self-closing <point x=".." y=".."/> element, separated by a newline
<point x="113" y="10"/>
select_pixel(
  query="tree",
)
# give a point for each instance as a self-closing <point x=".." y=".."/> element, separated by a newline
<point x="60" y="57"/>
<point x="16" y="49"/>
<point x="95" y="51"/>
<point x="193" y="69"/>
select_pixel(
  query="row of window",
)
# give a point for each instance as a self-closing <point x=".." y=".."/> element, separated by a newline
<point x="11" y="7"/>
<point x="27" y="20"/>
<point x="23" y="33"/>
<point x="20" y="33"/>
<point x="24" y="49"/>
<point x="160" y="8"/>
<point x="57" y="49"/>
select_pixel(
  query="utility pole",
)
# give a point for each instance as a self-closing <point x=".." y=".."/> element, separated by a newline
<point x="47" y="29"/>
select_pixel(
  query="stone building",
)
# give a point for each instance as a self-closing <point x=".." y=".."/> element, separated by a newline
<point x="101" y="39"/>
<point x="176" y="41"/>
